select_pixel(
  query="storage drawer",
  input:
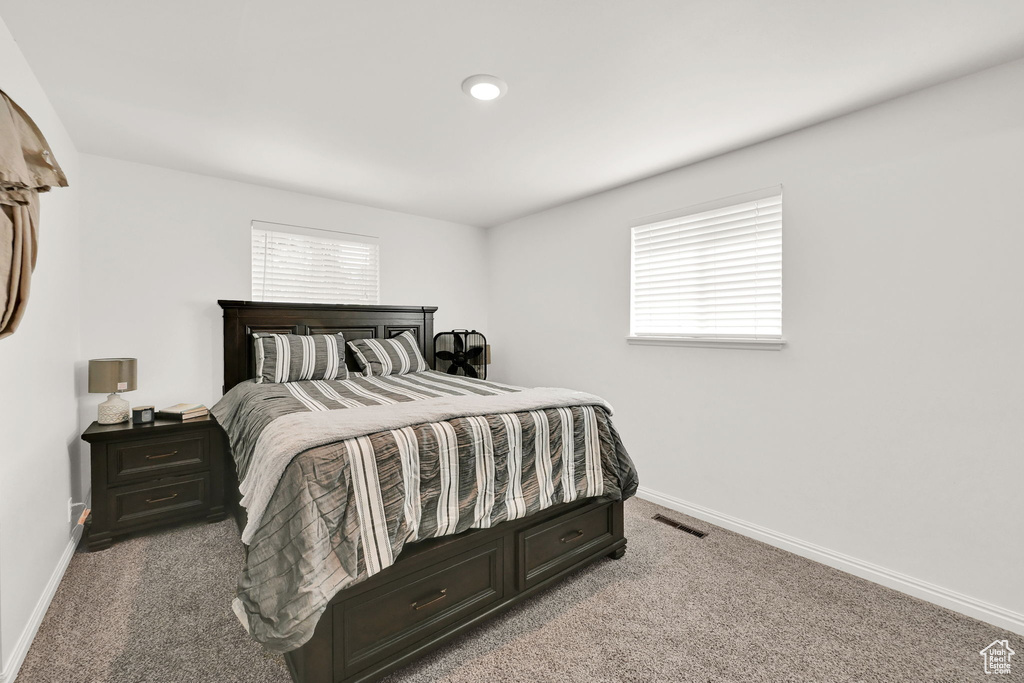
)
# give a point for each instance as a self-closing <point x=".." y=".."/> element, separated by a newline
<point x="151" y="458"/>
<point x="142" y="503"/>
<point x="548" y="548"/>
<point x="388" y="619"/>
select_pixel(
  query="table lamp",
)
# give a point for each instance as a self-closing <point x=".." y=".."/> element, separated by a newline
<point x="112" y="376"/>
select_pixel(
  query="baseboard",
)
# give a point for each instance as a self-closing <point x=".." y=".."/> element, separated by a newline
<point x="958" y="602"/>
<point x="13" y="665"/>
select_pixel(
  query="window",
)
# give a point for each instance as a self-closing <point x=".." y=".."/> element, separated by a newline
<point x="711" y="275"/>
<point x="304" y="265"/>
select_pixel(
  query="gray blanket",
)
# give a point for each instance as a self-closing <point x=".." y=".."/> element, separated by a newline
<point x="292" y="434"/>
<point x="343" y="508"/>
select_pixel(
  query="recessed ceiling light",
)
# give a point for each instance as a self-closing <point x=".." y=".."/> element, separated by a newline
<point x="484" y="87"/>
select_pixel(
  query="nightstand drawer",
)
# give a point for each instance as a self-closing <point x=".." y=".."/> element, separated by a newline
<point x="151" y="458"/>
<point x="167" y="499"/>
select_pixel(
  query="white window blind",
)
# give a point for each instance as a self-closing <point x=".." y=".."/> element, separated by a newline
<point x="713" y="272"/>
<point x="305" y="265"/>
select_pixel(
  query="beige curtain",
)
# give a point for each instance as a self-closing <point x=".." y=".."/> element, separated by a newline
<point x="27" y="167"/>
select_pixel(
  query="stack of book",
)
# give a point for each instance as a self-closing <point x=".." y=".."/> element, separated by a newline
<point x="184" y="411"/>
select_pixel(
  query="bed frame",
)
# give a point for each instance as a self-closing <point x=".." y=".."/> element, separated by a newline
<point x="437" y="589"/>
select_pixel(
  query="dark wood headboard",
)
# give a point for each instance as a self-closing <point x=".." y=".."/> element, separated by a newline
<point x="242" y="318"/>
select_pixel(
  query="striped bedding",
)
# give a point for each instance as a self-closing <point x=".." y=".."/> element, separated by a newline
<point x="342" y="511"/>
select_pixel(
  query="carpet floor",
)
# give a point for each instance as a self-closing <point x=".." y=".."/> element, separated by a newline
<point x="676" y="608"/>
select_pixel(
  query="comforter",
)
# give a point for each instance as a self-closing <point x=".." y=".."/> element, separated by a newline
<point x="338" y="476"/>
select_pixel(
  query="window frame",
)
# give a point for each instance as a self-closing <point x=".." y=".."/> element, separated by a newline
<point x="769" y="343"/>
<point x="315" y="233"/>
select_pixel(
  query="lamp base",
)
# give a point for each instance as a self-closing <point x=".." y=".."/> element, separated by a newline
<point x="113" y="410"/>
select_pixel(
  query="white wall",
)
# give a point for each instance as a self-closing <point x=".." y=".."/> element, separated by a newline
<point x="890" y="429"/>
<point x="39" y="445"/>
<point x="162" y="246"/>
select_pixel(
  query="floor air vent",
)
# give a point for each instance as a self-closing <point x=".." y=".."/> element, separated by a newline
<point x="678" y="525"/>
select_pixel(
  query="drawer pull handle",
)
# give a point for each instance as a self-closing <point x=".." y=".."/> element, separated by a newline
<point x="165" y="455"/>
<point x="160" y="500"/>
<point x="569" y="538"/>
<point x="421" y="605"/>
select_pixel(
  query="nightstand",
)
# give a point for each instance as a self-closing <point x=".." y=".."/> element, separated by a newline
<point x="151" y="475"/>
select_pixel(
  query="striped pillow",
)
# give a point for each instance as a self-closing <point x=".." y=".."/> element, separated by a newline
<point x="396" y="356"/>
<point x="293" y="357"/>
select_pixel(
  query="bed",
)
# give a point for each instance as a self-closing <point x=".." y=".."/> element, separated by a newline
<point x="436" y="587"/>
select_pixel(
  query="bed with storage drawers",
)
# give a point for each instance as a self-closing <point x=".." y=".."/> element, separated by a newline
<point x="387" y="508"/>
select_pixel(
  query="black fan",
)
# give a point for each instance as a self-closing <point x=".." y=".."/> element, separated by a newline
<point x="461" y="352"/>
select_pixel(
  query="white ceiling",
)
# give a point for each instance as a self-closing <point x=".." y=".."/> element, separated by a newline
<point x="361" y="101"/>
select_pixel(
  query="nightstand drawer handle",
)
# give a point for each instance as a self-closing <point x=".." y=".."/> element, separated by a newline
<point x="165" y="455"/>
<point x="420" y="605"/>
<point x="160" y="500"/>
<point x="569" y="538"/>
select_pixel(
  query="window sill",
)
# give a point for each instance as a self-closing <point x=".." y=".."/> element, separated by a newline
<point x="711" y="342"/>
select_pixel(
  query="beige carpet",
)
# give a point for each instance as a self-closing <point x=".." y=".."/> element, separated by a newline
<point x="676" y="608"/>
